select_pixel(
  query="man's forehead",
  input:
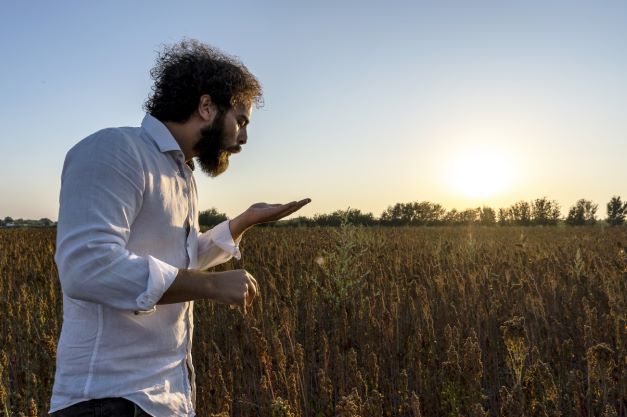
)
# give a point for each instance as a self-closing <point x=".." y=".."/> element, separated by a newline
<point x="243" y="109"/>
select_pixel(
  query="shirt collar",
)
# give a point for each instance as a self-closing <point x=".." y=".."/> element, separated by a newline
<point x="160" y="134"/>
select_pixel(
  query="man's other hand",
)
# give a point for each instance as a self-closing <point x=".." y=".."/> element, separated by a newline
<point x="263" y="213"/>
<point x="237" y="288"/>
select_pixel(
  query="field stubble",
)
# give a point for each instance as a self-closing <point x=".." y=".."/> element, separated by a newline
<point x="374" y="322"/>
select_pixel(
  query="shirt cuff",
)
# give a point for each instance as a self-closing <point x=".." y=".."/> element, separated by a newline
<point x="221" y="236"/>
<point x="160" y="277"/>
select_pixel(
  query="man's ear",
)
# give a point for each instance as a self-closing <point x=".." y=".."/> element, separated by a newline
<point x="207" y="110"/>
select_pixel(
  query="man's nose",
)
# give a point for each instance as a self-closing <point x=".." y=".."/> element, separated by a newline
<point x="243" y="137"/>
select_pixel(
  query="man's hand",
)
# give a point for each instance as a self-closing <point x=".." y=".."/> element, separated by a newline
<point x="237" y="288"/>
<point x="263" y="213"/>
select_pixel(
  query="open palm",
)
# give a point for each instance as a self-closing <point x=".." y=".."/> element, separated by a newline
<point x="264" y="212"/>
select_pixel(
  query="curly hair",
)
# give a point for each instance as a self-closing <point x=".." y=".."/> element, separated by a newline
<point x="190" y="69"/>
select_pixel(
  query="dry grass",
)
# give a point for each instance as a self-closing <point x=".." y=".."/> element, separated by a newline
<point x="375" y="322"/>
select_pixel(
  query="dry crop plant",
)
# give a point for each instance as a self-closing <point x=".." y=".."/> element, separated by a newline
<point x="376" y="322"/>
<point x="30" y="318"/>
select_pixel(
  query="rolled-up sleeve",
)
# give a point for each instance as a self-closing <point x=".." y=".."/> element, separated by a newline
<point x="217" y="246"/>
<point x="101" y="193"/>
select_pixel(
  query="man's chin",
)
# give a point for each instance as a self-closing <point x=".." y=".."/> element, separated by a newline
<point x="215" y="168"/>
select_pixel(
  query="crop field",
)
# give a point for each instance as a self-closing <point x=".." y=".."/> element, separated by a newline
<point x="374" y="322"/>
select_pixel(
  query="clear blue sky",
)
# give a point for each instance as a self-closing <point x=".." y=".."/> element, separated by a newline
<point x="367" y="103"/>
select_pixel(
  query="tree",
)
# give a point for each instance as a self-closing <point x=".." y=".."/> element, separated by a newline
<point x="545" y="212"/>
<point x="469" y="216"/>
<point x="521" y="213"/>
<point x="582" y="213"/>
<point x="357" y="217"/>
<point x="487" y="216"/>
<point x="616" y="211"/>
<point x="426" y="212"/>
<point x="415" y="213"/>
<point x="8" y="220"/>
<point x="46" y="222"/>
<point x="300" y="221"/>
<point x="392" y="215"/>
<point x="348" y="216"/>
<point x="211" y="217"/>
<point x="451" y="217"/>
<point x="505" y="216"/>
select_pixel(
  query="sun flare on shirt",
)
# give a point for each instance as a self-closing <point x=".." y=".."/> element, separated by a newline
<point x="480" y="173"/>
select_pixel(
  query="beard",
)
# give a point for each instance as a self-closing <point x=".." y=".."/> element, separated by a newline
<point x="211" y="154"/>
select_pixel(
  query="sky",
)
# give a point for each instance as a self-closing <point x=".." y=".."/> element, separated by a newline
<point x="367" y="104"/>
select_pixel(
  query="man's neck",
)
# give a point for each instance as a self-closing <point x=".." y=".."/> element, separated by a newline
<point x="185" y="136"/>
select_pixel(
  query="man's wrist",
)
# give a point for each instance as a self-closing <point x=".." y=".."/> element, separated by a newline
<point x="239" y="225"/>
<point x="188" y="285"/>
<point x="208" y="287"/>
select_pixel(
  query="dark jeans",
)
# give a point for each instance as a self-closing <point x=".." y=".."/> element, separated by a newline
<point x="104" y="407"/>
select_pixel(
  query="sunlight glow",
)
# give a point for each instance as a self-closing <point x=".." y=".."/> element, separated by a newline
<point x="480" y="173"/>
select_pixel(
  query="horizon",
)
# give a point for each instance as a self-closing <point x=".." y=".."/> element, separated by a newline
<point x="601" y="213"/>
<point x="460" y="105"/>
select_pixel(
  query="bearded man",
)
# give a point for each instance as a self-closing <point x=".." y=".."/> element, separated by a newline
<point x="129" y="250"/>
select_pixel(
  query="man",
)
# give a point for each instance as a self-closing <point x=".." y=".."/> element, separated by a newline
<point x="129" y="250"/>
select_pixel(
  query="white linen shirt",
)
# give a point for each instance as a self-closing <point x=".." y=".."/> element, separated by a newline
<point x="128" y="220"/>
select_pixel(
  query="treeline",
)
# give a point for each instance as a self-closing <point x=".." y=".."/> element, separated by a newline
<point x="10" y="222"/>
<point x="539" y="212"/>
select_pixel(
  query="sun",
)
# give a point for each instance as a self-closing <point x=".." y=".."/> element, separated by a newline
<point x="480" y="173"/>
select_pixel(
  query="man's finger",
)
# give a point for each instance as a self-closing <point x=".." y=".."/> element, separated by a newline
<point x="302" y="203"/>
<point x="279" y="212"/>
<point x="250" y="295"/>
<point x="254" y="286"/>
<point x="290" y="211"/>
<point x="293" y="204"/>
<point x="274" y="212"/>
<point x="242" y="305"/>
<point x="291" y="208"/>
